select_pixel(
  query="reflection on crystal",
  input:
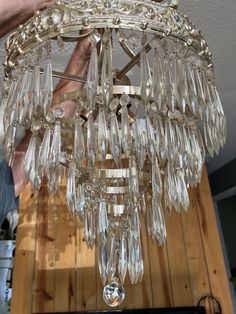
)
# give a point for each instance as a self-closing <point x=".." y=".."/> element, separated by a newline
<point x="114" y="294"/>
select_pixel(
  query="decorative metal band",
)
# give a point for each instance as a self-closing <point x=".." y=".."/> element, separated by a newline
<point x="147" y="16"/>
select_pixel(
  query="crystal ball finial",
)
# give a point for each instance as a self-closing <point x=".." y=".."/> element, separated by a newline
<point x="114" y="293"/>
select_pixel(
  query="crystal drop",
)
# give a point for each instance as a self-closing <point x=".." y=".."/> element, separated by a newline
<point x="8" y="144"/>
<point x="159" y="222"/>
<point x="131" y="260"/>
<point x="47" y="87"/>
<point x="89" y="227"/>
<point x="79" y="147"/>
<point x="145" y="77"/>
<point x="111" y="269"/>
<point x="60" y="42"/>
<point x="113" y="294"/>
<point x="102" y="260"/>
<point x="171" y="188"/>
<point x="149" y="221"/>
<point x="44" y="151"/>
<point x="70" y="189"/>
<point x="183" y="191"/>
<point x="218" y="100"/>
<point x="122" y="266"/>
<point x="159" y="92"/>
<point x="135" y="224"/>
<point x="80" y="198"/>
<point x="126" y="140"/>
<point x="199" y="87"/>
<point x="140" y="141"/>
<point x="135" y="261"/>
<point x="12" y="112"/>
<point x="133" y="177"/>
<point x="160" y="139"/>
<point x="34" y="90"/>
<point x="208" y="139"/>
<point x="30" y="155"/>
<point x="114" y="138"/>
<point x="33" y="175"/>
<point x="102" y="135"/>
<point x="102" y="221"/>
<point x="191" y="87"/>
<point x="91" y="144"/>
<point x="183" y="87"/>
<point x="138" y="105"/>
<point x="156" y="181"/>
<point x="150" y="145"/>
<point x="55" y="151"/>
<point x="170" y="142"/>
<point x="92" y="78"/>
<point x="169" y="85"/>
<point x="139" y="263"/>
<point x="11" y="94"/>
<point x="107" y="76"/>
<point x="23" y="96"/>
<point x="54" y="179"/>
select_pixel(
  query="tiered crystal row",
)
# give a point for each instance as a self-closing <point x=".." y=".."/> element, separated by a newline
<point x="132" y="147"/>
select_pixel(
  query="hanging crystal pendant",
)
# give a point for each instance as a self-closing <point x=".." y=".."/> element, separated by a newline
<point x="122" y="258"/>
<point x="111" y="266"/>
<point x="79" y="146"/>
<point x="114" y="138"/>
<point x="126" y="139"/>
<point x="34" y="90"/>
<point x="43" y="158"/>
<point x="55" y="151"/>
<point x="30" y="155"/>
<point x="107" y="76"/>
<point x="47" y="86"/>
<point x="91" y="144"/>
<point x="71" y="201"/>
<point x="92" y="77"/>
<point x="102" y="135"/>
<point x="145" y="76"/>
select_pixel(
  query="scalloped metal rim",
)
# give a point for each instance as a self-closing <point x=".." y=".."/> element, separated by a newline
<point x="150" y="17"/>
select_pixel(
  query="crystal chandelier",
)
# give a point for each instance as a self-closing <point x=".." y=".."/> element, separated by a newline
<point x="137" y="139"/>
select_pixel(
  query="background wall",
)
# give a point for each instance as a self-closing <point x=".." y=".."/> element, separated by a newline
<point x="54" y="270"/>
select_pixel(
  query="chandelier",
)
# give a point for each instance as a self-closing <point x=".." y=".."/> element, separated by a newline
<point x="137" y="139"/>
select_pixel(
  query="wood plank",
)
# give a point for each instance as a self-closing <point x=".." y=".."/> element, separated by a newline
<point x="199" y="279"/>
<point x="179" y="273"/>
<point x="65" y="264"/>
<point x="25" y="255"/>
<point x="162" y="294"/>
<point x="86" y="274"/>
<point x="212" y="245"/>
<point x="43" y="293"/>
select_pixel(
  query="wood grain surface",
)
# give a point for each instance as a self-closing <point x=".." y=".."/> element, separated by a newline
<point x="55" y="271"/>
